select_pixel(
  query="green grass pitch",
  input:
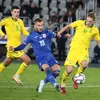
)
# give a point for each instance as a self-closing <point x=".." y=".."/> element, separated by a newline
<point x="9" y="90"/>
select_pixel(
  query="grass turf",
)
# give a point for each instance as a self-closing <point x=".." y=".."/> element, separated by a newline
<point x="9" y="90"/>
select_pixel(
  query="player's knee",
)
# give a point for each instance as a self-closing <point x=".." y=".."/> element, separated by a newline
<point x="69" y="69"/>
<point x="48" y="70"/>
<point x="6" y="63"/>
<point x="28" y="61"/>
<point x="56" y="73"/>
<point x="84" y="64"/>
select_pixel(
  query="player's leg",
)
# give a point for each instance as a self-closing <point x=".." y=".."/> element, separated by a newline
<point x="69" y="64"/>
<point x="23" y="66"/>
<point x="5" y="63"/>
<point x="81" y="68"/>
<point x="83" y="64"/>
<point x="46" y="64"/>
<point x="56" y="70"/>
<point x="49" y="78"/>
<point x="53" y="63"/>
<point x="49" y="75"/>
<point x="83" y="61"/>
<point x="65" y="77"/>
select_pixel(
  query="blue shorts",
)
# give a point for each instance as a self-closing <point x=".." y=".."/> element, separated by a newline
<point x="46" y="59"/>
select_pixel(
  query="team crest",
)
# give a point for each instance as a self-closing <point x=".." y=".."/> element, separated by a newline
<point x="44" y="35"/>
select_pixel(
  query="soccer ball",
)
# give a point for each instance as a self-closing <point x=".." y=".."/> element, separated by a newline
<point x="79" y="78"/>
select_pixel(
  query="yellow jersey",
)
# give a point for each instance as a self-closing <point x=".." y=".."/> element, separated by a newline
<point x="13" y="28"/>
<point x="83" y="34"/>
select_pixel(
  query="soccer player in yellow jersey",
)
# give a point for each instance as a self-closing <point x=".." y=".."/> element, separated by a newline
<point x="14" y="26"/>
<point x="85" y="32"/>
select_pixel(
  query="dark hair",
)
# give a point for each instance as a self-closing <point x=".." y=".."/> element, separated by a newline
<point x="91" y="15"/>
<point x="38" y="20"/>
<point x="15" y="7"/>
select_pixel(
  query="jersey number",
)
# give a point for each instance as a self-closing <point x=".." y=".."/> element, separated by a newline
<point x="42" y="43"/>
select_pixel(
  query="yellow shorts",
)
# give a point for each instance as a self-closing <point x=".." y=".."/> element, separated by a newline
<point x="76" y="55"/>
<point x="15" y="54"/>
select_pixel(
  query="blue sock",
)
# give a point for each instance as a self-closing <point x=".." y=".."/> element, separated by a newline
<point x="50" y="78"/>
<point x="46" y="80"/>
<point x="56" y="73"/>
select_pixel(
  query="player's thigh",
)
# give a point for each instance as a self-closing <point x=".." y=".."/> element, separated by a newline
<point x="84" y="58"/>
<point x="84" y="63"/>
<point x="53" y="63"/>
<point x="72" y="57"/>
<point x="69" y="69"/>
<point x="42" y="63"/>
<point x="7" y="61"/>
<point x="45" y="66"/>
<point x="25" y="58"/>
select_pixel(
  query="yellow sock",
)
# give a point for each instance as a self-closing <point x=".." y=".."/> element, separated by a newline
<point x="2" y="67"/>
<point x="21" y="68"/>
<point x="64" y="78"/>
<point x="80" y="70"/>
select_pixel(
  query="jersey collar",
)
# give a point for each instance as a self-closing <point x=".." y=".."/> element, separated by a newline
<point x="90" y="26"/>
<point x="39" y="32"/>
<point x="14" y="19"/>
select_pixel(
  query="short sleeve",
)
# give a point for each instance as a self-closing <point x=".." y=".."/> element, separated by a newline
<point x="97" y="34"/>
<point x="75" y="24"/>
<point x="51" y="34"/>
<point x="4" y="21"/>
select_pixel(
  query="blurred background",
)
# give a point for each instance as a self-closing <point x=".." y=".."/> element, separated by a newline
<point x="56" y="14"/>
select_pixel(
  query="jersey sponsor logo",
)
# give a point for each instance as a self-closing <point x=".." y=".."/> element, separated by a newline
<point x="44" y="35"/>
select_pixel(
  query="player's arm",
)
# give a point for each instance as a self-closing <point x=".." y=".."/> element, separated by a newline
<point x="21" y="46"/>
<point x="54" y="35"/>
<point x="98" y="43"/>
<point x="3" y="23"/>
<point x="63" y="29"/>
<point x="97" y="37"/>
<point x="24" y="31"/>
<point x="67" y="27"/>
<point x="63" y="35"/>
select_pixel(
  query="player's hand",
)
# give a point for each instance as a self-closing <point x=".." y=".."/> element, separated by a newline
<point x="67" y="36"/>
<point x="59" y="35"/>
<point x="11" y="48"/>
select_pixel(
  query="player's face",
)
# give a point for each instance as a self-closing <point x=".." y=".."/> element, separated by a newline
<point x="39" y="26"/>
<point x="89" y="21"/>
<point x="15" y="13"/>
